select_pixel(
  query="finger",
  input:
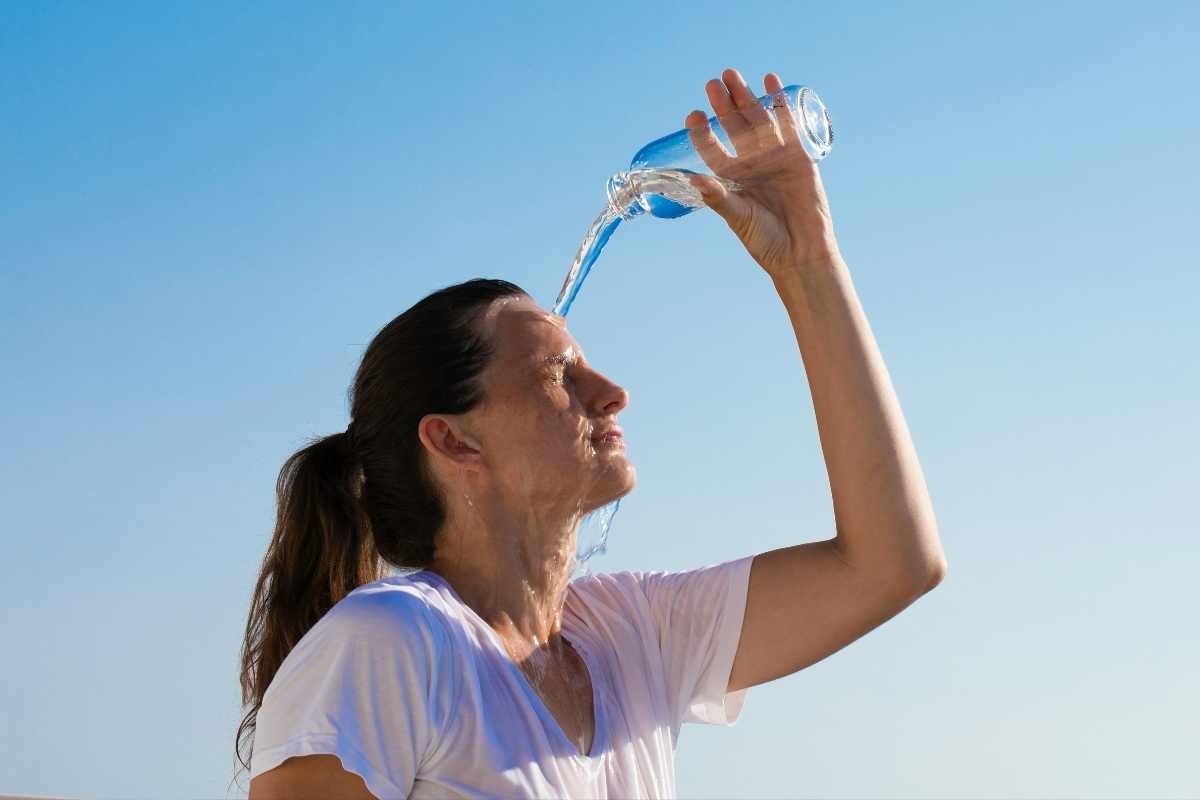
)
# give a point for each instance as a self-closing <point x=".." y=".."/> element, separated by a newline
<point x="710" y="148"/>
<point x="760" y="120"/>
<point x="719" y="97"/>
<point x="789" y="126"/>
<point x="727" y="113"/>
<point x="735" y="210"/>
<point x="743" y="98"/>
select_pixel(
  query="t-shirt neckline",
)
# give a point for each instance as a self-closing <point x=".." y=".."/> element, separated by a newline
<point x="599" y="711"/>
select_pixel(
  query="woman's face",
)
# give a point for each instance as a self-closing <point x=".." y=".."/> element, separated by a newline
<point x="536" y="431"/>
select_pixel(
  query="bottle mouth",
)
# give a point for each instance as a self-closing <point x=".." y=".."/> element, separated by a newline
<point x="625" y="196"/>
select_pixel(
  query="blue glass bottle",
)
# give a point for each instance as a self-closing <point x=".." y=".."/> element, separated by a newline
<point x="645" y="188"/>
<point x="656" y="181"/>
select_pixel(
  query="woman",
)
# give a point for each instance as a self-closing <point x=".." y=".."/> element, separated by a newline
<point x="480" y="435"/>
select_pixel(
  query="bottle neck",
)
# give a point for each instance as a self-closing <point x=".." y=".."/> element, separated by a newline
<point x="625" y="196"/>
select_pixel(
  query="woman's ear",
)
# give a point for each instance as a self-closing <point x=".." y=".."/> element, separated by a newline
<point x="446" y="440"/>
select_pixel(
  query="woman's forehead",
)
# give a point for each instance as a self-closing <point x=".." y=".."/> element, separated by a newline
<point x="529" y="333"/>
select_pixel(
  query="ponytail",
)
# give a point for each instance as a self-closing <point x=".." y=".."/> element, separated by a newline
<point x="321" y="550"/>
<point x="353" y="503"/>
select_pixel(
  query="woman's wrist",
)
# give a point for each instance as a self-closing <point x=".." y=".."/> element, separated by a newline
<point x="811" y="265"/>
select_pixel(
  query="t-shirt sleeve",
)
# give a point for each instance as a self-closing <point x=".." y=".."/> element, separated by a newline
<point x="698" y="615"/>
<point x="364" y="684"/>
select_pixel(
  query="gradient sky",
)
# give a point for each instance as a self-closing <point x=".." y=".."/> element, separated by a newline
<point x="207" y="211"/>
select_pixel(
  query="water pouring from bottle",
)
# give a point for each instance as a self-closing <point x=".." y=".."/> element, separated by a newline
<point x="656" y="182"/>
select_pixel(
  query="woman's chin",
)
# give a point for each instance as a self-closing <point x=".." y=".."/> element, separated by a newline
<point x="619" y="485"/>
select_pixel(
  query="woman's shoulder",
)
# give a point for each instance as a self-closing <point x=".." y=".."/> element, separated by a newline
<point x="394" y="606"/>
<point x="394" y="620"/>
<point x="368" y="682"/>
<point x="609" y="593"/>
<point x="657" y="592"/>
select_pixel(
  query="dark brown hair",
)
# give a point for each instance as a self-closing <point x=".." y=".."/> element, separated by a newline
<point x="351" y="503"/>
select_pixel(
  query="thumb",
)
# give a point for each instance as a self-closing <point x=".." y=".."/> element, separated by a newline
<point x="728" y="205"/>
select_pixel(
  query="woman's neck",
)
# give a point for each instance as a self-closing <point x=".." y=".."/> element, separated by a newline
<point x="513" y="574"/>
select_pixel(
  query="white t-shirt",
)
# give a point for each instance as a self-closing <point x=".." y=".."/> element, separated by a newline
<point x="413" y="691"/>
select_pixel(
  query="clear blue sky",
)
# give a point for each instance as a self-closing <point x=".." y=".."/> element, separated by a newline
<point x="207" y="210"/>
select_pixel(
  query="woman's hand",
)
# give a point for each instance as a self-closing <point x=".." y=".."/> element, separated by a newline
<point x="780" y="213"/>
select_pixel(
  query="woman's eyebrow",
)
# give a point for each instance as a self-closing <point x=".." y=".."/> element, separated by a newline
<point x="562" y="358"/>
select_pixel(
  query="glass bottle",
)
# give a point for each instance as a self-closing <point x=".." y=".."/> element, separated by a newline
<point x="656" y="182"/>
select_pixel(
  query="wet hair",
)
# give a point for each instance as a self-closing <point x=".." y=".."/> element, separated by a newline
<point x="351" y="503"/>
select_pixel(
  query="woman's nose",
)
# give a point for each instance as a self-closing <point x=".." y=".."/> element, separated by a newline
<point x="613" y="397"/>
